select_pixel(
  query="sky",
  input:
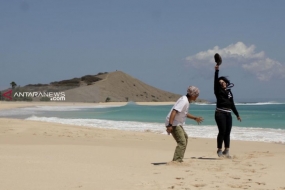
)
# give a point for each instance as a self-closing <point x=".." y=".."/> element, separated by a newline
<point x="167" y="44"/>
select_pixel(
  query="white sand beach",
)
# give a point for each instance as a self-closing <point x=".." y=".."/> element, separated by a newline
<point x="38" y="155"/>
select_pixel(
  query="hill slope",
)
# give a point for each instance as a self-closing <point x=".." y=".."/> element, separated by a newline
<point x="119" y="87"/>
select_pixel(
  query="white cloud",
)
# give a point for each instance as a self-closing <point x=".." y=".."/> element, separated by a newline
<point x="241" y="55"/>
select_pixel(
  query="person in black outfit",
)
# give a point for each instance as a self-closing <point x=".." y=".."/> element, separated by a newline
<point x="224" y="106"/>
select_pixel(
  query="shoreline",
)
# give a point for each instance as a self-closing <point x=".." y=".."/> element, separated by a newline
<point x="253" y="136"/>
<point x="18" y="104"/>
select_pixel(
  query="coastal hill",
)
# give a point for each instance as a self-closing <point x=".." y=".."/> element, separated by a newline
<point x="118" y="87"/>
<point x="114" y="86"/>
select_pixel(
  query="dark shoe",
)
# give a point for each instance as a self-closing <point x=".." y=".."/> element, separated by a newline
<point x="226" y="153"/>
<point x="220" y="153"/>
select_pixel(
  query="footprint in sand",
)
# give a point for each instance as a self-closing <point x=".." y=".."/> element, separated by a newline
<point x="248" y="164"/>
<point x="216" y="169"/>
<point x="180" y="184"/>
<point x="257" y="154"/>
<point x="260" y="183"/>
<point x="235" y="177"/>
<point x="248" y="170"/>
<point x="199" y="185"/>
<point x="238" y="186"/>
<point x="173" y="163"/>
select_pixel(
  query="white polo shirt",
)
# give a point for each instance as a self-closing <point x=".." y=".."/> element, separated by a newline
<point x="182" y="106"/>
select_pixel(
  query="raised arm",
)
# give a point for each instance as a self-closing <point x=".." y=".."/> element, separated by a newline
<point x="216" y="82"/>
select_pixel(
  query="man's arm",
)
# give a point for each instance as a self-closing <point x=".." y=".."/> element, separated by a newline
<point x="197" y="119"/>
<point x="171" y="119"/>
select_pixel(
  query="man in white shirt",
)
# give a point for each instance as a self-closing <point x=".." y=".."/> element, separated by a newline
<point x="176" y="119"/>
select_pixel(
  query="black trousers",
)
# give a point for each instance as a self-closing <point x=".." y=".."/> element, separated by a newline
<point x="224" y="123"/>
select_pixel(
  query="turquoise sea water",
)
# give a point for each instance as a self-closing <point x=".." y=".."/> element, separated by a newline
<point x="253" y="115"/>
<point x="260" y="121"/>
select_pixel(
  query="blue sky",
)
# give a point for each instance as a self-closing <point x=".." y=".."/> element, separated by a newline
<point x="167" y="44"/>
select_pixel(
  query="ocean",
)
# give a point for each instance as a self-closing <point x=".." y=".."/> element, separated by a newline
<point x="260" y="121"/>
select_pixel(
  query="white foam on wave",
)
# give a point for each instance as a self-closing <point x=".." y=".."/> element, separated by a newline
<point x="204" y="104"/>
<point x="36" y="109"/>
<point x="258" y="103"/>
<point x="106" y="124"/>
<point x="238" y="133"/>
<point x="18" y="111"/>
<point x="243" y="104"/>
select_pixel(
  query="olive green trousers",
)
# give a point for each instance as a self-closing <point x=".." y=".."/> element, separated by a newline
<point x="181" y="138"/>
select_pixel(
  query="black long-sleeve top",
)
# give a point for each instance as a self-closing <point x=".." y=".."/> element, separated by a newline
<point x="225" y="99"/>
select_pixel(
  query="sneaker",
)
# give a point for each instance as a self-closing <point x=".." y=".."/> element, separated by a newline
<point x="226" y="153"/>
<point x="177" y="160"/>
<point x="220" y="153"/>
